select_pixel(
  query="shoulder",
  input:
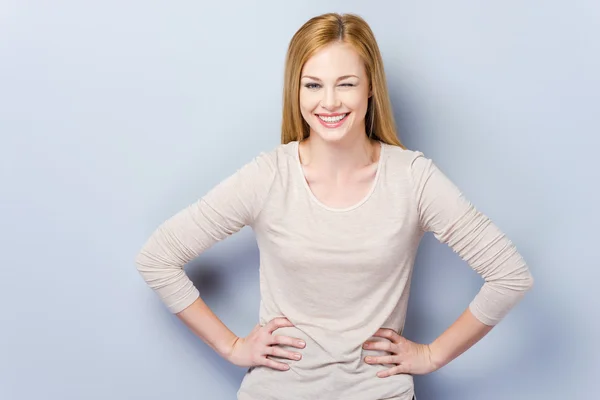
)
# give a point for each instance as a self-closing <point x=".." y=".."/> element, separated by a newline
<point x="275" y="160"/>
<point x="270" y="160"/>
<point x="264" y="170"/>
<point x="281" y="153"/>
<point x="404" y="160"/>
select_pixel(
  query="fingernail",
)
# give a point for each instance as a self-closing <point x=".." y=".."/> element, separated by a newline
<point x="366" y="345"/>
<point x="368" y="359"/>
<point x="297" y="356"/>
<point x="302" y="343"/>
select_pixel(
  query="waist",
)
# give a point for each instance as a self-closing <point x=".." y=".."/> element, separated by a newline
<point x="318" y="375"/>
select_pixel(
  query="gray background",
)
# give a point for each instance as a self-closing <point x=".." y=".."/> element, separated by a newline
<point x="116" y="114"/>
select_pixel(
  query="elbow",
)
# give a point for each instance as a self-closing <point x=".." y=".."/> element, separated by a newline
<point x="143" y="262"/>
<point x="522" y="283"/>
<point x="514" y="285"/>
<point x="529" y="281"/>
<point x="141" y="265"/>
<point x="138" y="261"/>
<point x="525" y="278"/>
<point x="156" y="267"/>
<point x="151" y="256"/>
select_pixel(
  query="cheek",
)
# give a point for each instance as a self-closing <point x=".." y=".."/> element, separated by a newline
<point x="308" y="103"/>
<point x="357" y="102"/>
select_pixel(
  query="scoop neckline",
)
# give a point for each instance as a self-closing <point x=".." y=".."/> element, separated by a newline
<point x="335" y="209"/>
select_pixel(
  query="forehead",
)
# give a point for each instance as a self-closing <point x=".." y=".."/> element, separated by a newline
<point x="334" y="60"/>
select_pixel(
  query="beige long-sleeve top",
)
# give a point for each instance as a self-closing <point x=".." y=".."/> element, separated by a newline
<point x="337" y="274"/>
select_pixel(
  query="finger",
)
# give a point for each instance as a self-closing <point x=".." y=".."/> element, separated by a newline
<point x="382" y="360"/>
<point x="388" y="334"/>
<point x="274" y="364"/>
<point x="281" y="353"/>
<point x="398" y="369"/>
<point x="385" y="346"/>
<point x="288" y="341"/>
<point x="277" y="323"/>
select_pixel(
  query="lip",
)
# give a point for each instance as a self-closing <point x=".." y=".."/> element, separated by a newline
<point x="332" y="114"/>
<point x="333" y="124"/>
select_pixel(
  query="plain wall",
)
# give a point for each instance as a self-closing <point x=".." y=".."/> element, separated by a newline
<point x="114" y="115"/>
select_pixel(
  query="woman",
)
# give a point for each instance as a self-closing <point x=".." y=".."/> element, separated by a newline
<point x="338" y="210"/>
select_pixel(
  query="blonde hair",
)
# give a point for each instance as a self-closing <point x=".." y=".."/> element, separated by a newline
<point x="316" y="33"/>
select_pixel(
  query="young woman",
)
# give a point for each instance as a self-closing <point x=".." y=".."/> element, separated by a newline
<point x="338" y="210"/>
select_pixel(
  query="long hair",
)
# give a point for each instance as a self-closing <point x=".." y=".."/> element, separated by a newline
<point x="316" y="33"/>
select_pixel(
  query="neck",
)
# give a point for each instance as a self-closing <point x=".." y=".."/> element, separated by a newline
<point x="341" y="157"/>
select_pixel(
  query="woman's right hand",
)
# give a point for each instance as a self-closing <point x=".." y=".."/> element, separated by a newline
<point x="253" y="349"/>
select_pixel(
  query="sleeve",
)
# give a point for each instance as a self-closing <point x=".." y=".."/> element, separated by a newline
<point x="453" y="220"/>
<point x="229" y="206"/>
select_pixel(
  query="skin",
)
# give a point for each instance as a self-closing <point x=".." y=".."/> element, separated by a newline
<point x="249" y="351"/>
<point x="340" y="165"/>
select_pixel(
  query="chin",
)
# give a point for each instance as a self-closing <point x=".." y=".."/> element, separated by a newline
<point x="331" y="135"/>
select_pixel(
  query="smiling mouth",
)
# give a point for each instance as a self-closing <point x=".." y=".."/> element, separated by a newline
<point x="332" y="119"/>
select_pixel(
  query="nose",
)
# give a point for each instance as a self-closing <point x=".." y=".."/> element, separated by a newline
<point x="330" y="100"/>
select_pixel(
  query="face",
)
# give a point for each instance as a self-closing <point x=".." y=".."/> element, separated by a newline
<point x="334" y="93"/>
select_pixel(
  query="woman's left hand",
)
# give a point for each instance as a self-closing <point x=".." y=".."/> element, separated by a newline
<point x="408" y="357"/>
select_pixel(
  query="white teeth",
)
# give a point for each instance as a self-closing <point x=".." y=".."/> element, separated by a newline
<point x="333" y="119"/>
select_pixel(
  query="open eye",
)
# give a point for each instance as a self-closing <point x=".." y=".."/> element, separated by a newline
<point x="312" y="85"/>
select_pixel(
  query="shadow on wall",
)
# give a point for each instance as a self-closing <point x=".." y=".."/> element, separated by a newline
<point x="220" y="275"/>
<point x="536" y="346"/>
<point x="531" y="353"/>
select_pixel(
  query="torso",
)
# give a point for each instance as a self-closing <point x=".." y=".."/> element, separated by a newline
<point x="337" y="263"/>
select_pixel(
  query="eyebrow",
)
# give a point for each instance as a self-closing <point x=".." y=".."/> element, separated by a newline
<point x="338" y="79"/>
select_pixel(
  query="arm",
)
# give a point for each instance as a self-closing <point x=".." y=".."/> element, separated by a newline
<point x="458" y="338"/>
<point x="223" y="211"/>
<point x="415" y="358"/>
<point x="231" y="205"/>
<point x="444" y="211"/>
<point x="200" y="319"/>
<point x="252" y="350"/>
